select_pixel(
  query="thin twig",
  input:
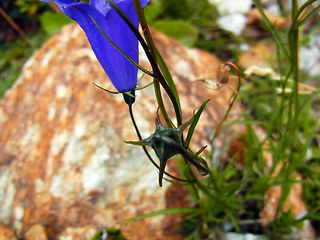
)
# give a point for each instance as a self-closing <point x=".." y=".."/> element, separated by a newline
<point x="15" y="26"/>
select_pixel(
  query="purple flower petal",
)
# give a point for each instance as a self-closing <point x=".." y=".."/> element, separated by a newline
<point x="121" y="72"/>
<point x="66" y="2"/>
<point x="144" y="3"/>
<point x="100" y="5"/>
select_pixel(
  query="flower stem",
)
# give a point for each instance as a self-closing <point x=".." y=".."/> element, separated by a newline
<point x="232" y="100"/>
<point x="153" y="63"/>
<point x="145" y="28"/>
<point x="153" y="51"/>
<point x="147" y="35"/>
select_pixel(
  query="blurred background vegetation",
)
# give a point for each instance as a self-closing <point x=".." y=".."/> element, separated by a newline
<point x="25" y="25"/>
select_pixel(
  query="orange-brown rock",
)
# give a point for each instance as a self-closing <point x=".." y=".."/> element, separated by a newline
<point x="293" y="203"/>
<point x="261" y="54"/>
<point x="36" y="232"/>
<point x="6" y="233"/>
<point x="63" y="162"/>
<point x="254" y="17"/>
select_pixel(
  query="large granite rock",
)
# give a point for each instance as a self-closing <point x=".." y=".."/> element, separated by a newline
<point x="63" y="162"/>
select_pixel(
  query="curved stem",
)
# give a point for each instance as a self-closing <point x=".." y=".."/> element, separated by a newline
<point x="217" y="132"/>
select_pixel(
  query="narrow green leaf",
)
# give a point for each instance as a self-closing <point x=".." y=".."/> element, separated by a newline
<point x="168" y="78"/>
<point x="162" y="212"/>
<point x="161" y="106"/>
<point x="233" y="220"/>
<point x="195" y="121"/>
<point x="311" y="14"/>
<point x="271" y="27"/>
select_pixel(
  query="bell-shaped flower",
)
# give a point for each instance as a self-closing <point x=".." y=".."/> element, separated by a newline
<point x="121" y="72"/>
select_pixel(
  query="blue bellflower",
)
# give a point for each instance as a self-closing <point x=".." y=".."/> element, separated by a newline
<point x="121" y="72"/>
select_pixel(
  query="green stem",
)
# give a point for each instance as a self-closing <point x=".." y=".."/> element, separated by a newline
<point x="272" y="29"/>
<point x="161" y="106"/>
<point x="234" y="96"/>
<point x="145" y="28"/>
<point x="294" y="50"/>
<point x="148" y="37"/>
<point x="288" y="140"/>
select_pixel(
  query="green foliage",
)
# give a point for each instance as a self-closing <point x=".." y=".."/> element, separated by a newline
<point x="191" y="228"/>
<point x="311" y="188"/>
<point x="112" y="234"/>
<point x="283" y="226"/>
<point x="193" y="23"/>
<point x="32" y="7"/>
<point x="176" y="26"/>
<point x="183" y="31"/>
<point x="195" y="122"/>
<point x="52" y="22"/>
<point x="153" y="11"/>
<point x="13" y="56"/>
<point x="183" y="9"/>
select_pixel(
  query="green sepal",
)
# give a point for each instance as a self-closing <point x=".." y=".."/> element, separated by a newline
<point x="128" y="93"/>
<point x="113" y="92"/>
<point x="143" y="87"/>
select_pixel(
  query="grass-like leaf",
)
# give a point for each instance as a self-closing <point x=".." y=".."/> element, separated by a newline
<point x="195" y="121"/>
<point x="163" y="212"/>
<point x="168" y="78"/>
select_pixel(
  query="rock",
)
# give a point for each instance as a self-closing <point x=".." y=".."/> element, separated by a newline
<point x="84" y="232"/>
<point x="63" y="162"/>
<point x="241" y="236"/>
<point x="6" y="233"/>
<point x="293" y="203"/>
<point x="232" y="14"/>
<point x="259" y="55"/>
<point x="36" y="232"/>
<point x="254" y="18"/>
<point x="310" y="55"/>
<point x="234" y="23"/>
<point x="230" y="7"/>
